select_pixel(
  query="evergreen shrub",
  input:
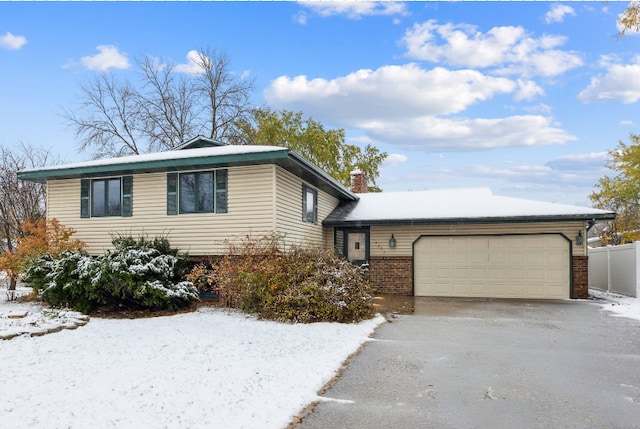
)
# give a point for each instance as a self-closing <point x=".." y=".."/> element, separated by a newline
<point x="140" y="273"/>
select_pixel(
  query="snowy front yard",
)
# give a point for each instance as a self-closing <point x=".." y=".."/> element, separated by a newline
<point x="204" y="369"/>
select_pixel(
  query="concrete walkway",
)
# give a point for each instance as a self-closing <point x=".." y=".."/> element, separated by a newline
<point x="491" y="364"/>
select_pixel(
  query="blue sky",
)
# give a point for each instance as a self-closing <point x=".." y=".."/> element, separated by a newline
<point x="523" y="97"/>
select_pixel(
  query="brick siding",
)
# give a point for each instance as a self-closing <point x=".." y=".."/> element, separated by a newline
<point x="359" y="182"/>
<point x="580" y="277"/>
<point x="391" y="274"/>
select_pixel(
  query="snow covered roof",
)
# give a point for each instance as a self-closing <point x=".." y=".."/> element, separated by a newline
<point x="448" y="205"/>
<point x="171" y="155"/>
<point x="198" y="157"/>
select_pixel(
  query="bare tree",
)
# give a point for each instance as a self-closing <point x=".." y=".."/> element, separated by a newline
<point x="108" y="118"/>
<point x="169" y="106"/>
<point x="225" y="97"/>
<point x="19" y="200"/>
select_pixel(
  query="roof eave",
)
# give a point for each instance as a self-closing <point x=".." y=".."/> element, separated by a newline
<point x="286" y="158"/>
<point x="470" y="221"/>
<point x="41" y="176"/>
<point x="334" y="187"/>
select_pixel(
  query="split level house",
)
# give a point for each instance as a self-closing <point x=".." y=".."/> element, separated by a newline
<point x="458" y="243"/>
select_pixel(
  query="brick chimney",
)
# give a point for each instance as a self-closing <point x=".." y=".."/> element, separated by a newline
<point x="359" y="183"/>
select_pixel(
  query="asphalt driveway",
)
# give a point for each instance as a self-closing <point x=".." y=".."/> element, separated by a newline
<point x="491" y="364"/>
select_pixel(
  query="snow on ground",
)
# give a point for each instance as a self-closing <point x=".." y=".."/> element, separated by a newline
<point x="209" y="368"/>
<point x="31" y="319"/>
<point x="620" y="305"/>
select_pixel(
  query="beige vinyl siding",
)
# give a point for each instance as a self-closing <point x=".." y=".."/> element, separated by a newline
<point x="329" y="238"/>
<point x="250" y="211"/>
<point x="289" y="211"/>
<point x="406" y="235"/>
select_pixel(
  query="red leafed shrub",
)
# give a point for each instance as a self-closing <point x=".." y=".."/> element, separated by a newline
<point x="296" y="284"/>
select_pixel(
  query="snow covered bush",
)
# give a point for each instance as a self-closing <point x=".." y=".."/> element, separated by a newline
<point x="138" y="273"/>
<point x="64" y="280"/>
<point x="297" y="284"/>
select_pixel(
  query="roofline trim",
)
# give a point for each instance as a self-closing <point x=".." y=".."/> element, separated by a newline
<point x="472" y="221"/>
<point x="164" y="164"/>
<point x="296" y="157"/>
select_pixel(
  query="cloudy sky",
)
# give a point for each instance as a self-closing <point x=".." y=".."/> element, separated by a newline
<point x="523" y="97"/>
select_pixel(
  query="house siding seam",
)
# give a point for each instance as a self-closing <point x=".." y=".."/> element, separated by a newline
<point x="580" y="277"/>
<point x="391" y="274"/>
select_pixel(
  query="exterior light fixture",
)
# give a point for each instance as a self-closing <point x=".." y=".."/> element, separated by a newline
<point x="392" y="241"/>
<point x="579" y="239"/>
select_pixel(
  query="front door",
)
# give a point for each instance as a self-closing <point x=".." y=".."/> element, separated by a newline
<point x="357" y="246"/>
<point x="353" y="244"/>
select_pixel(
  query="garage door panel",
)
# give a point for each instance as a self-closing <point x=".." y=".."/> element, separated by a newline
<point x="515" y="258"/>
<point x="497" y="275"/>
<point x="514" y="274"/>
<point x="496" y="258"/>
<point x="536" y="258"/>
<point x="442" y="258"/>
<point x="461" y="258"/>
<point x="476" y="274"/>
<point x="476" y="257"/>
<point x="507" y="266"/>
<point x="556" y="276"/>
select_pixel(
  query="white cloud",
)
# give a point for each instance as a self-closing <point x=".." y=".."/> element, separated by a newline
<point x="356" y="9"/>
<point x="394" y="159"/>
<point x="401" y="105"/>
<point x="578" y="162"/>
<point x="558" y="12"/>
<point x="508" y="49"/>
<point x="192" y="66"/>
<point x="576" y="171"/>
<point x="301" y="18"/>
<point x="363" y="140"/>
<point x="628" y="123"/>
<point x="12" y="42"/>
<point x="567" y="179"/>
<point x="541" y="108"/>
<point x="108" y="58"/>
<point x="443" y="134"/>
<point x="528" y="90"/>
<point x="620" y="82"/>
<point x="391" y="92"/>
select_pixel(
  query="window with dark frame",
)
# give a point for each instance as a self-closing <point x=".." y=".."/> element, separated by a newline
<point x="106" y="197"/>
<point x="309" y="204"/>
<point x="197" y="192"/>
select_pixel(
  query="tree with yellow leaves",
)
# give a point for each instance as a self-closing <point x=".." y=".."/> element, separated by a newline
<point x="621" y="193"/>
<point x="630" y="19"/>
<point x="38" y="237"/>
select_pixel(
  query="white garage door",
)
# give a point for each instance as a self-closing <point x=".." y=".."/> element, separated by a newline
<point x="505" y="266"/>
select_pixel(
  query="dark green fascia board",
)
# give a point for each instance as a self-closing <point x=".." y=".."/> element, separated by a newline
<point x="469" y="221"/>
<point x="42" y="176"/>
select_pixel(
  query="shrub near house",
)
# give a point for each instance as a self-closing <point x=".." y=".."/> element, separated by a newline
<point x="139" y="274"/>
<point x="297" y="284"/>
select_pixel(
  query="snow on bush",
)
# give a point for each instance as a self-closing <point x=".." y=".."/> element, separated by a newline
<point x="297" y="284"/>
<point x="139" y="273"/>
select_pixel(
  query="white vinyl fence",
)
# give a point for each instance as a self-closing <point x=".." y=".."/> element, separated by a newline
<point x="616" y="269"/>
